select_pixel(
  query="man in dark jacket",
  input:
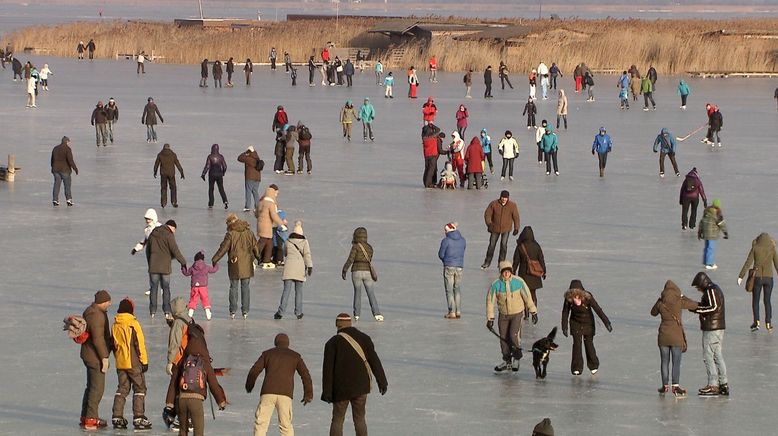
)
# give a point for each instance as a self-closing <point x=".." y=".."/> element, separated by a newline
<point x="62" y="165"/>
<point x="652" y="76"/>
<point x="215" y="167"/>
<point x="499" y="216"/>
<point x="94" y="353"/>
<point x="348" y="70"/>
<point x="204" y="73"/>
<point x="711" y="311"/>
<point x="280" y="364"/>
<point x="304" y="151"/>
<point x="488" y="82"/>
<point x="689" y="197"/>
<point x="149" y="118"/>
<point x="252" y="175"/>
<point x="91" y="47"/>
<point x="429" y="142"/>
<point x="100" y="120"/>
<point x="166" y="163"/>
<point x="349" y="358"/>
<point x="161" y="248"/>
<point x="452" y="254"/>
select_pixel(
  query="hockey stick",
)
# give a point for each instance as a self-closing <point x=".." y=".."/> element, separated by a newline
<point x="691" y="133"/>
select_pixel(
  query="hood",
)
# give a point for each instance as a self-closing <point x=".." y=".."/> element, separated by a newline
<point x="455" y="135"/>
<point x="666" y="132"/>
<point x="151" y="214"/>
<point x="484" y="132"/>
<point x="764" y="239"/>
<point x="549" y="129"/>
<point x="602" y="130"/>
<point x="215" y="149"/>
<point x="281" y="341"/>
<point x="526" y="235"/>
<point x="367" y="100"/>
<point x="561" y="93"/>
<point x="671" y="292"/>
<point x="348" y="102"/>
<point x="200" y="266"/>
<point x="693" y="173"/>
<point x="271" y="193"/>
<point x="360" y="235"/>
<point x="683" y="83"/>
<point x="454" y="234"/>
<point x="475" y="142"/>
<point x="178" y="306"/>
<point x="238" y="226"/>
<point x="701" y="281"/>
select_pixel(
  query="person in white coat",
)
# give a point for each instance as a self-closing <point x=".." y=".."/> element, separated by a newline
<point x="44" y="76"/>
<point x="509" y="150"/>
<point x="298" y="266"/>
<point x="544" y="79"/>
<point x="31" y="92"/>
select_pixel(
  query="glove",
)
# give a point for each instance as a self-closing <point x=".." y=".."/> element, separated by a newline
<point x="544" y="276"/>
<point x="382" y="389"/>
<point x="169" y="369"/>
<point x="144" y="367"/>
<point x="306" y="401"/>
<point x="534" y="318"/>
<point x="222" y="405"/>
<point x="326" y="398"/>
<point x="104" y="365"/>
<point x="155" y="176"/>
<point x="726" y="235"/>
<point x="182" y="176"/>
<point x="133" y="251"/>
<point x="202" y="177"/>
<point x="161" y="120"/>
<point x="214" y="263"/>
<point x="564" y="331"/>
<point x="609" y="327"/>
<point x="592" y="152"/>
<point x="515" y="232"/>
<point x="489" y="324"/>
<point x="739" y="281"/>
<point x="309" y="271"/>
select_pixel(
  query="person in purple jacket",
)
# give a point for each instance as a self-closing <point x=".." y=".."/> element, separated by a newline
<point x="215" y="167"/>
<point x="691" y="192"/>
<point x="199" y="272"/>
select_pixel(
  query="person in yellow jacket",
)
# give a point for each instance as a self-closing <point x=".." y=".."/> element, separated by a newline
<point x="512" y="296"/>
<point x="132" y="362"/>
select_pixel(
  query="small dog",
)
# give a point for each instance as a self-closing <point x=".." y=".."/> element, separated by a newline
<point x="541" y="353"/>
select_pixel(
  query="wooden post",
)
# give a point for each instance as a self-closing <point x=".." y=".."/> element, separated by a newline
<point x="9" y="174"/>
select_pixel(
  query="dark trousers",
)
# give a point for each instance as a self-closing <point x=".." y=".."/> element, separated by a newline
<point x="592" y="362"/>
<point x="683" y="99"/>
<point x="602" y="158"/>
<point x="648" y="96"/>
<point x="476" y="179"/>
<point x="760" y="284"/>
<point x="531" y="120"/>
<point x="265" y="249"/>
<point x="534" y="294"/>
<point x="141" y="68"/>
<point x="688" y="204"/>
<point x="671" y="155"/>
<point x="430" y="171"/>
<point x="191" y="408"/>
<point x="549" y="157"/>
<point x="130" y="378"/>
<point x="95" y="386"/>
<point x="304" y="153"/>
<point x="278" y="165"/>
<point x="219" y="181"/>
<point x="563" y="117"/>
<point x="503" y="80"/>
<point x="540" y="154"/>
<point x="553" y="81"/>
<point x="493" y="237"/>
<point x="507" y="164"/>
<point x="510" y="330"/>
<point x="164" y="182"/>
<point x="489" y="159"/>
<point x="339" y="75"/>
<point x="310" y="76"/>
<point x="348" y="80"/>
<point x="272" y="63"/>
<point x="488" y="91"/>
<point x="357" y="414"/>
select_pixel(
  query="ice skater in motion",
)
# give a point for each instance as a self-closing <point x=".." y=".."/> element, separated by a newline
<point x="578" y="312"/>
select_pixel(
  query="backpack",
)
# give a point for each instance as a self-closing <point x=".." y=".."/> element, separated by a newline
<point x="260" y="165"/>
<point x="192" y="374"/>
<point x="305" y="134"/>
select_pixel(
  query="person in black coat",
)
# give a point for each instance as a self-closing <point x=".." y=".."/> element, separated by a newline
<point x="488" y="82"/>
<point x="527" y="248"/>
<point x="215" y="167"/>
<point x="578" y="308"/>
<point x="346" y="374"/>
<point x="204" y="73"/>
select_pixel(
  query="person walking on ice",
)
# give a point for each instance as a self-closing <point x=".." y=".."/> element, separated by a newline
<point x="298" y="266"/>
<point x="367" y="116"/>
<point x="578" y="311"/>
<point x="764" y="258"/>
<point x="712" y="226"/>
<point x="149" y="118"/>
<point x="499" y="216"/>
<point x="602" y="145"/>
<point x="452" y="254"/>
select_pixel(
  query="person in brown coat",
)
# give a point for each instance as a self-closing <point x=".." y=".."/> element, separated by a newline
<point x="267" y="215"/>
<point x="100" y="121"/>
<point x="527" y="248"/>
<point x="94" y="353"/>
<point x="62" y="165"/>
<point x="671" y="338"/>
<point x="252" y="175"/>
<point x="161" y="248"/>
<point x="763" y="258"/>
<point x="149" y="118"/>
<point x="279" y="364"/>
<point x="241" y="247"/>
<point x="499" y="216"/>
<point x="578" y="308"/>
<point x="166" y="163"/>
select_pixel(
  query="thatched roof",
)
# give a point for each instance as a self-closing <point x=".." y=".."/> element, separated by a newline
<point x="498" y="33"/>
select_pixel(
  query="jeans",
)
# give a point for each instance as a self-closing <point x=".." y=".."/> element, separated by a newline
<point x="298" y="296"/>
<point x="95" y="386"/>
<point x="671" y="155"/>
<point x="357" y="413"/>
<point x="60" y="178"/>
<point x="590" y="92"/>
<point x="101" y="133"/>
<point x="689" y="206"/>
<point x="156" y="279"/>
<point x="151" y="134"/>
<point x="712" y="341"/>
<point x="551" y="156"/>
<point x="683" y="99"/>
<point x="367" y="129"/>
<point x="349" y="81"/>
<point x="245" y="295"/>
<point x="363" y="280"/>
<point x="648" y="96"/>
<point x="761" y="283"/>
<point x="377" y="77"/>
<point x="507" y="163"/>
<point x="544" y="88"/>
<point x="664" y="366"/>
<point x="110" y="130"/>
<point x="709" y="252"/>
<point x="252" y="192"/>
<point x="219" y="181"/>
<point x="452" y="278"/>
<point x="564" y="118"/>
<point x="493" y="236"/>
<point x="503" y="80"/>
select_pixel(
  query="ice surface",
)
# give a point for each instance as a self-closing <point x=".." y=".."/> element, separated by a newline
<point x="620" y="235"/>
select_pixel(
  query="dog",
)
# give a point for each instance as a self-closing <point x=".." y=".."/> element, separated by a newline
<point x="541" y="353"/>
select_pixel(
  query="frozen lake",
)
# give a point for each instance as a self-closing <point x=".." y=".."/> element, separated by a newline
<point x="620" y="235"/>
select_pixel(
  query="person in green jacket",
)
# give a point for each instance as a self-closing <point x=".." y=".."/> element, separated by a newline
<point x="712" y="226"/>
<point x="647" y="88"/>
<point x="549" y="146"/>
<point x="763" y="258"/>
<point x="367" y="115"/>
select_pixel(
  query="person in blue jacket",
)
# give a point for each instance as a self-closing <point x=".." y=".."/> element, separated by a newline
<point x="452" y="254"/>
<point x="683" y="91"/>
<point x="624" y="90"/>
<point x="486" y="145"/>
<point x="602" y="145"/>
<point x="366" y="115"/>
<point x="665" y="144"/>
<point x="549" y="144"/>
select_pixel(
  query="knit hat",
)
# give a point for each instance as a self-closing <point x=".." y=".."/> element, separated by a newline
<point x="505" y="194"/>
<point x="717" y="203"/>
<point x="171" y="223"/>
<point x="543" y="428"/>
<point x="298" y="227"/>
<point x="102" y="297"/>
<point x="450" y="227"/>
<point x="126" y="306"/>
<point x="150" y="99"/>
<point x="576" y="284"/>
<point x="281" y="340"/>
<point x="151" y="214"/>
<point x="343" y="320"/>
<point x="251" y="148"/>
<point x="166" y="147"/>
<point x="505" y="265"/>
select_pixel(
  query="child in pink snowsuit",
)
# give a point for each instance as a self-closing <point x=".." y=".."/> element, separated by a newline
<point x="199" y="272"/>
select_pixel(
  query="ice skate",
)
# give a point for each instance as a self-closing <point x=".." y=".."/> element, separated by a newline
<point x="208" y="314"/>
<point x="119" y="423"/>
<point x="679" y="392"/>
<point x="503" y="366"/>
<point x="755" y="326"/>
<point x="141" y="423"/>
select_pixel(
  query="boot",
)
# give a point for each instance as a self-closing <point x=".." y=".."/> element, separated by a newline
<point x="141" y="423"/>
<point x="208" y="314"/>
<point x="679" y="392"/>
<point x="119" y="422"/>
<point x="602" y="172"/>
<point x="724" y="389"/>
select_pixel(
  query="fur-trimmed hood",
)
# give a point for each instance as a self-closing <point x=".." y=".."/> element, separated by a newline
<point x="585" y="296"/>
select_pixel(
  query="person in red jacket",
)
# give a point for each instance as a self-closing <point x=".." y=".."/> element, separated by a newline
<point x="474" y="157"/>
<point x="429" y="111"/>
<point x="280" y="119"/>
<point x="429" y="142"/>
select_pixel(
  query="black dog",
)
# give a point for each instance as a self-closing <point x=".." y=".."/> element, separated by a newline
<point x="541" y="352"/>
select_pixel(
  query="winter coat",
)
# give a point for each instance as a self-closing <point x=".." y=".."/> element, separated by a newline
<point x="99" y="116"/>
<point x="561" y="104"/>
<point x="348" y="68"/>
<point x="348" y="114"/>
<point x="150" y="114"/>
<point x="549" y="141"/>
<point x="486" y="141"/>
<point x="577" y="71"/>
<point x="298" y="258"/>
<point x="62" y="159"/>
<point x="762" y="256"/>
<point x="665" y="142"/>
<point x="474" y="156"/>
<point x="461" y="117"/>
<point x="498" y="218"/>
<point x="670" y="307"/>
<point x="429" y="111"/>
<point x="112" y="112"/>
<point x="646" y="86"/>
<point x="711" y="306"/>
<point x="366" y="112"/>
<point x="602" y="144"/>
<point x="204" y="69"/>
<point x="457" y="147"/>
<point x="581" y="318"/>
<point x="280" y="363"/>
<point x="241" y="248"/>
<point x="520" y="260"/>
<point x="267" y="214"/>
<point x="488" y="76"/>
<point x="712" y="224"/>
<point x="215" y="165"/>
<point x="651" y="74"/>
<point x="388" y="81"/>
<point x="250" y="160"/>
<point x="167" y="162"/>
<point x="161" y="248"/>
<point x="452" y="249"/>
<point x="100" y="343"/>
<point x="429" y="140"/>
<point x="634" y="85"/>
<point x="692" y="188"/>
<point x="530" y="108"/>
<point x="716" y="120"/>
<point x="199" y="272"/>
<point x="511" y="296"/>
<point x="344" y="375"/>
<point x="229" y="67"/>
<point x="178" y="335"/>
<point x="280" y="119"/>
<point x="196" y="345"/>
<point x="217" y="70"/>
<point x="683" y="88"/>
<point x="539" y="132"/>
<point x="624" y="82"/>
<point x="356" y="258"/>
<point x="508" y="147"/>
<point x="468" y="79"/>
<point x="588" y="79"/>
<point x="129" y="342"/>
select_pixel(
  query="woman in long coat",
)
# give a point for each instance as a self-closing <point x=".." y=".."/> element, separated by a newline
<point x="527" y="248"/>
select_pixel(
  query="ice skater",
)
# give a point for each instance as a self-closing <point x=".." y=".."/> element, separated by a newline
<point x="530" y="110"/>
<point x="452" y="254"/>
<point x="684" y="90"/>
<point x="712" y="323"/>
<point x="666" y="146"/>
<point x="691" y="192"/>
<point x="671" y="338"/>
<point x="95" y="352"/>
<point x="503" y="73"/>
<point x="500" y="215"/>
<point x="561" y="108"/>
<point x="240" y="246"/>
<point x="647" y="89"/>
<point x="529" y="263"/>
<point x="62" y="166"/>
<point x="166" y="163"/>
<point x="298" y="266"/>
<point x="388" y="85"/>
<point x="149" y="118"/>
<point x="112" y="116"/>
<point x="367" y="116"/>
<point x="762" y="259"/>
<point x="100" y="122"/>
<point x="712" y="227"/>
<point x="199" y="284"/>
<point x="509" y="150"/>
<point x="602" y="145"/>
<point x="578" y="311"/>
<point x="363" y="275"/>
<point x="550" y="146"/>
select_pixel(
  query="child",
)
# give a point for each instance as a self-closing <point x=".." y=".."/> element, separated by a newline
<point x="389" y="84"/>
<point x="448" y="178"/>
<point x="279" y="239"/>
<point x="132" y="362"/>
<point x="199" y="272"/>
<point x="486" y="144"/>
<point x="623" y="97"/>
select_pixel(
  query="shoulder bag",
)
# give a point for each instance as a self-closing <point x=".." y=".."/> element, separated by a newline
<point x="680" y="324"/>
<point x="534" y="268"/>
<point x="358" y="348"/>
<point x="373" y="273"/>
<point x="751" y="280"/>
